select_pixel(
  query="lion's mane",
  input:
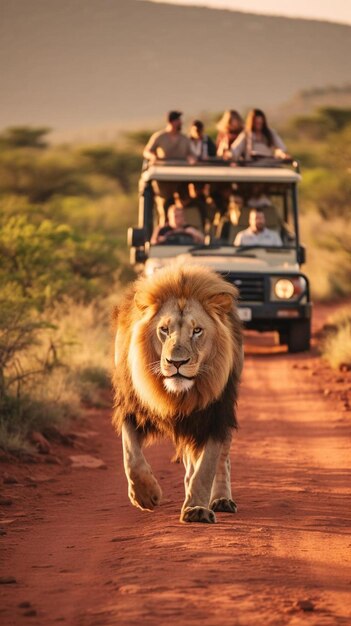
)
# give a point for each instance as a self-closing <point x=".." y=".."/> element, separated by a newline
<point x="208" y="409"/>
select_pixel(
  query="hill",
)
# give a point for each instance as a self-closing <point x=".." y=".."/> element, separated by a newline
<point x="87" y="63"/>
<point x="307" y="101"/>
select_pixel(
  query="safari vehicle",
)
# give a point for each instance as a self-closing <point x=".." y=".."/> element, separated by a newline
<point x="274" y="294"/>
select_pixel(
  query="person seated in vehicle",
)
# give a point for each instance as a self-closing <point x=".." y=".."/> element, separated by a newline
<point x="257" y="233"/>
<point x="258" y="198"/>
<point x="229" y="128"/>
<point x="200" y="198"/>
<point x="221" y="194"/>
<point x="176" y="226"/>
<point x="258" y="139"/>
<point x="169" y="143"/>
<point x="231" y="218"/>
<point x="201" y="144"/>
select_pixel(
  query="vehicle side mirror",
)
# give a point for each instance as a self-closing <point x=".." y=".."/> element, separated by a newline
<point x="136" y="237"/>
<point x="301" y="255"/>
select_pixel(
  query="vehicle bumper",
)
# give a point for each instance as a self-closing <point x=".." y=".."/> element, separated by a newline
<point x="274" y="315"/>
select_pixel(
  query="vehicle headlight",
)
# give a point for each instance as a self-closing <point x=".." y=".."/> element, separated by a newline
<point x="288" y="288"/>
<point x="284" y="289"/>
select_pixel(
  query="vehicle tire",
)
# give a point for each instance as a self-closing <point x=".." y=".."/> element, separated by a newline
<point x="283" y="337"/>
<point x="299" y="336"/>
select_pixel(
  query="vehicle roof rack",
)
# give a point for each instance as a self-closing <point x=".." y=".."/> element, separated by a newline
<point x="256" y="161"/>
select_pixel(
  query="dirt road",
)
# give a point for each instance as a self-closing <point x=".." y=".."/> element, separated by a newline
<point x="82" y="555"/>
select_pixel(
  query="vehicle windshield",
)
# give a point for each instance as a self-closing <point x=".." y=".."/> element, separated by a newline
<point x="239" y="215"/>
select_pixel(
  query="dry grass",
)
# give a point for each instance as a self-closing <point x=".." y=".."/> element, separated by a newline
<point x="328" y="264"/>
<point x="76" y="352"/>
<point x="336" y="347"/>
<point x="85" y="339"/>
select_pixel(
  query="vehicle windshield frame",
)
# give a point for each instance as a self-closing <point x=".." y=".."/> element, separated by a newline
<point x="290" y="189"/>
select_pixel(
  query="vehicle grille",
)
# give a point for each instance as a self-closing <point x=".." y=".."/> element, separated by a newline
<point x="251" y="288"/>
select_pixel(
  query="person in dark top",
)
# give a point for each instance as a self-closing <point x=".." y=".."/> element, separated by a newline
<point x="201" y="198"/>
<point x="175" y="225"/>
<point x="201" y="145"/>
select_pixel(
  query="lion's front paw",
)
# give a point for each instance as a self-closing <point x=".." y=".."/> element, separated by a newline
<point x="144" y="491"/>
<point x="198" y="514"/>
<point x="224" y="505"/>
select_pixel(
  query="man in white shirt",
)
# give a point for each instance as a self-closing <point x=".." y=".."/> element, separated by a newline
<point x="257" y="234"/>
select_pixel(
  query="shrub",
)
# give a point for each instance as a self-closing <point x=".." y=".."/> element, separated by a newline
<point x="328" y="256"/>
<point x="123" y="166"/>
<point x="314" y="127"/>
<point x="329" y="192"/>
<point x="47" y="368"/>
<point x="47" y="261"/>
<point x="39" y="176"/>
<point x="336" y="347"/>
<point x="318" y="126"/>
<point x="19" y="330"/>
<point x="139" y="138"/>
<point x="338" y="118"/>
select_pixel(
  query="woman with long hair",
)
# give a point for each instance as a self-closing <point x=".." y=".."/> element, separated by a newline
<point x="258" y="139"/>
<point x="229" y="128"/>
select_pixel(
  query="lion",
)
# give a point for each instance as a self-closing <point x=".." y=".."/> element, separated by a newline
<point x="178" y="361"/>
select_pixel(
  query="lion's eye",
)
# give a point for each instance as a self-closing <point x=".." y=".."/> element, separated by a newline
<point x="164" y="330"/>
<point x="197" y="330"/>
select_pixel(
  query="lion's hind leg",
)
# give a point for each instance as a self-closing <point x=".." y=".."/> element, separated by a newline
<point x="221" y="494"/>
<point x="143" y="489"/>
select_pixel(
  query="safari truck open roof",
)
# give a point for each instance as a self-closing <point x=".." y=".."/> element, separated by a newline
<point x="219" y="173"/>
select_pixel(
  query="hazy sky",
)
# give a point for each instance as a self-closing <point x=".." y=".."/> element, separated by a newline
<point x="331" y="10"/>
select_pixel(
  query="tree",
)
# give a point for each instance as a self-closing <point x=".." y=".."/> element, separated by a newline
<point x="24" y="137"/>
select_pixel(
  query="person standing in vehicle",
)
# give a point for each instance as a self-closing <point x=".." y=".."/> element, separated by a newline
<point x="257" y="234"/>
<point x="229" y="128"/>
<point x="169" y="143"/>
<point x="166" y="145"/>
<point x="258" y="139"/>
<point x="202" y="145"/>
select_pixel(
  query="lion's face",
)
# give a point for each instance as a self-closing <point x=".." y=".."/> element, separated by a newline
<point x="183" y="341"/>
<point x="178" y="340"/>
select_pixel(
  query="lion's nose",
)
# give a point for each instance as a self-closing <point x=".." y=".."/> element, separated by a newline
<point x="177" y="362"/>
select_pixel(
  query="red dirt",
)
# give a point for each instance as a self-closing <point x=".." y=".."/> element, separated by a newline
<point x="83" y="556"/>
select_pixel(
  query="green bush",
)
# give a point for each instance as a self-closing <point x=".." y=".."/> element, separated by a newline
<point x="123" y="166"/>
<point x="319" y="126"/>
<point x="313" y="127"/>
<point x="48" y="261"/>
<point x="39" y="176"/>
